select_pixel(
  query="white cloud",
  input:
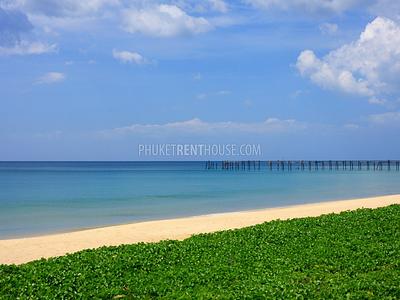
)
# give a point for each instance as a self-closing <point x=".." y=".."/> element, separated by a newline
<point x="153" y="17"/>
<point x="51" y="77"/>
<point x="248" y="103"/>
<point x="374" y="100"/>
<point x="13" y="24"/>
<point x="72" y="8"/>
<point x="385" y="118"/>
<point x="201" y="96"/>
<point x="15" y="29"/>
<point x="197" y="126"/>
<point x="173" y="17"/>
<point x="51" y="25"/>
<point x="219" y="5"/>
<point x="224" y="92"/>
<point x="327" y="75"/>
<point x="66" y="14"/>
<point x="197" y="76"/>
<point x="329" y="28"/>
<point x="203" y="6"/>
<point x="369" y="66"/>
<point x="298" y="93"/>
<point x="129" y="57"/>
<point x="163" y="21"/>
<point x="336" y="6"/>
<point x="383" y="8"/>
<point x="28" y="48"/>
<point x="387" y="8"/>
<point x="351" y="126"/>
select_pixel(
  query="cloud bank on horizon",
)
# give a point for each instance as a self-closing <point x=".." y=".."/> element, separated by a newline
<point x="242" y="66"/>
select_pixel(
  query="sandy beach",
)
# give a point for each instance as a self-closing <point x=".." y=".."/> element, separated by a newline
<point x="22" y="250"/>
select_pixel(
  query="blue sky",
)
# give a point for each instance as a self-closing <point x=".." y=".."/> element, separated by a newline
<point x="90" y="80"/>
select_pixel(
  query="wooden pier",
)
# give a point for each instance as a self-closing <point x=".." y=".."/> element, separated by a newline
<point x="305" y="165"/>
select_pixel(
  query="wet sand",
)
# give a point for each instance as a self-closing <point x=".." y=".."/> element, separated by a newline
<point x="22" y="250"/>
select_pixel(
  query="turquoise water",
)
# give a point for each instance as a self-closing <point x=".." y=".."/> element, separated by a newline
<point x="47" y="197"/>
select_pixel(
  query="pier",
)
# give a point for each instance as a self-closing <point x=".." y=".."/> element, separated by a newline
<point x="305" y="165"/>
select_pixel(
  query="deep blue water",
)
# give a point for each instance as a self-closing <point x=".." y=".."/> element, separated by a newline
<point x="45" y="197"/>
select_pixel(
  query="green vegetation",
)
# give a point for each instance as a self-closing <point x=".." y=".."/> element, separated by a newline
<point x="352" y="255"/>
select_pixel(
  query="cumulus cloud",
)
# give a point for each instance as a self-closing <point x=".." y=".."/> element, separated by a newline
<point x="51" y="77"/>
<point x="153" y="17"/>
<point x="129" y="57"/>
<point x="369" y="66"/>
<point x="327" y="75"/>
<point x="173" y="17"/>
<point x="336" y="6"/>
<point x="197" y="126"/>
<point x="163" y="21"/>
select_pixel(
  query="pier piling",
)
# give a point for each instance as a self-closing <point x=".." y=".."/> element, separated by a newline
<point x="302" y="165"/>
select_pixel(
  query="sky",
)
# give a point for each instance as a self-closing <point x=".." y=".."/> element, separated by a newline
<point x="92" y="80"/>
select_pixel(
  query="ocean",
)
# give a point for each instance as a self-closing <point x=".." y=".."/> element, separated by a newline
<point x="48" y="197"/>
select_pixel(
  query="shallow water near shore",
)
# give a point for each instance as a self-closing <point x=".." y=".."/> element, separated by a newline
<point x="46" y="197"/>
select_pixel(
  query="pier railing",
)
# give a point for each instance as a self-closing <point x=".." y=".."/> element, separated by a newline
<point x="305" y="165"/>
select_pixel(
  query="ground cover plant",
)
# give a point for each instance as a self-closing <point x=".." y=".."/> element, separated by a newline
<point x="354" y="255"/>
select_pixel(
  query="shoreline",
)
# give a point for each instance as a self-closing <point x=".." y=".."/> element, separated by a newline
<point x="183" y="216"/>
<point x="22" y="250"/>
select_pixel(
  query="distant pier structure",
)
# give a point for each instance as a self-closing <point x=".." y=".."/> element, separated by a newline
<point x="305" y="165"/>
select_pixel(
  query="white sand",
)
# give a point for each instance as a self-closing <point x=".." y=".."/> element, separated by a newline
<point x="27" y="249"/>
